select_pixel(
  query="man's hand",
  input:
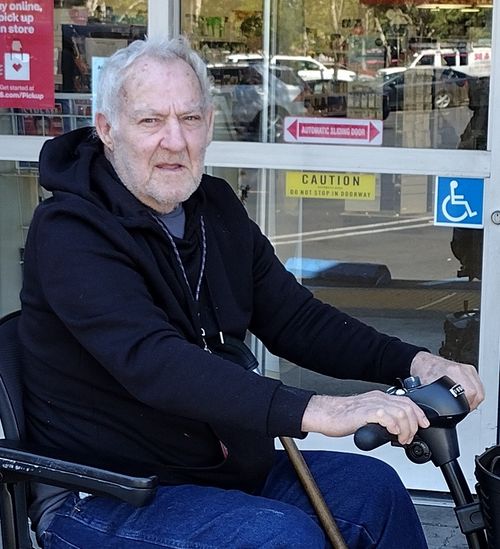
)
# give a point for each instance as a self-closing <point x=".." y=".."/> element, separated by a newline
<point x="429" y="367"/>
<point x="341" y="416"/>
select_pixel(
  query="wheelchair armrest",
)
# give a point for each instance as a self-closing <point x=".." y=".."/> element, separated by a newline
<point x="20" y="463"/>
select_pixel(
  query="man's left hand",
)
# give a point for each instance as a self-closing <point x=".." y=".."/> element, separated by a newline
<point x="429" y="367"/>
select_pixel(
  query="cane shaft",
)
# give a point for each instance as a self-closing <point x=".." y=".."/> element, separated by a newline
<point x="311" y="488"/>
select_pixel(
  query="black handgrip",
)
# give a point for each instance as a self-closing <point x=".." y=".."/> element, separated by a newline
<point x="372" y="436"/>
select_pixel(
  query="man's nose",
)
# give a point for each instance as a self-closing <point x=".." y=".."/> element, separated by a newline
<point x="173" y="135"/>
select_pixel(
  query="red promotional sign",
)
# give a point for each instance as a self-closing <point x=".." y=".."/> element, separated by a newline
<point x="27" y="54"/>
<point x="345" y="131"/>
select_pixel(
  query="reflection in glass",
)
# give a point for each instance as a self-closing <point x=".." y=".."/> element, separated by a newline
<point x="371" y="249"/>
<point x="421" y="68"/>
<point x="241" y="103"/>
<point x="81" y="32"/>
<point x="19" y="195"/>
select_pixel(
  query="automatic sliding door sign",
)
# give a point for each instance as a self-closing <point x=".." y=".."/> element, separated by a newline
<point x="340" y="131"/>
<point x="459" y="202"/>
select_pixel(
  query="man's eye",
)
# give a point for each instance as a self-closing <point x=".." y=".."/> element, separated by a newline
<point x="192" y="117"/>
<point x="148" y="121"/>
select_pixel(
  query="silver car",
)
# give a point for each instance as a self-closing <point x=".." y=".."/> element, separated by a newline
<point x="240" y="100"/>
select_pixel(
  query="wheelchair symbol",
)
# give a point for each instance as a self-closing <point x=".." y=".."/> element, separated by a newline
<point x="454" y="199"/>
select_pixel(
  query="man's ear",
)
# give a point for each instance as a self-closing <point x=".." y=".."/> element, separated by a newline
<point x="103" y="128"/>
<point x="211" y="119"/>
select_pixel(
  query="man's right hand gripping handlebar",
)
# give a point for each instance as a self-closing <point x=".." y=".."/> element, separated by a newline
<point x="338" y="416"/>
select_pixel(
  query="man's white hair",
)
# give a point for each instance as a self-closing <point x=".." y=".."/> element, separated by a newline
<point x="116" y="69"/>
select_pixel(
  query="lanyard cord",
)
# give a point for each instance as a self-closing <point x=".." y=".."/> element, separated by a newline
<point x="196" y="295"/>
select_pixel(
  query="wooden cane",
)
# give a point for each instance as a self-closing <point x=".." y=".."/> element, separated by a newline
<point x="311" y="488"/>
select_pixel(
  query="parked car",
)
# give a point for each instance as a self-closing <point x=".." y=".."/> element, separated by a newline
<point x="305" y="66"/>
<point x="239" y="92"/>
<point x="448" y="88"/>
<point x="309" y="68"/>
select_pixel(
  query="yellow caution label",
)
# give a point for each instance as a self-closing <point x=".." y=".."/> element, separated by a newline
<point x="338" y="186"/>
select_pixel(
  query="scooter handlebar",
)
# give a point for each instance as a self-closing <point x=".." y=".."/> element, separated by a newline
<point x="443" y="402"/>
<point x="372" y="436"/>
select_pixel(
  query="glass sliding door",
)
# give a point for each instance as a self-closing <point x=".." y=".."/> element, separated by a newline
<point x="356" y="224"/>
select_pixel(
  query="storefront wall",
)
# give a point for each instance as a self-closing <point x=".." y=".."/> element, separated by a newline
<point x="353" y="222"/>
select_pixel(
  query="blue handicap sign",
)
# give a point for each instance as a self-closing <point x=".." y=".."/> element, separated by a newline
<point x="459" y="202"/>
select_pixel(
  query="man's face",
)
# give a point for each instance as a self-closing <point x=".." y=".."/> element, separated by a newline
<point x="158" y="144"/>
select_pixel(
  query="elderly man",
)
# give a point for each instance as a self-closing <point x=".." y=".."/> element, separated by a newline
<point x="139" y="271"/>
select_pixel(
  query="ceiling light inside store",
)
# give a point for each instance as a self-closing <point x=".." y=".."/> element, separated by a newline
<point x="443" y="6"/>
<point x="464" y="7"/>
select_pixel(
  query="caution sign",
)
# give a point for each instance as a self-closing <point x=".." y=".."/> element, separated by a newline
<point x="337" y="186"/>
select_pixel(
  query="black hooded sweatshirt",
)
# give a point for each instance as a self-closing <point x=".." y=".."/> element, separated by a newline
<point x="115" y="362"/>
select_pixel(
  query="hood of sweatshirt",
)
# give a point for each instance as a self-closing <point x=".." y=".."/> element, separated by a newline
<point x="65" y="161"/>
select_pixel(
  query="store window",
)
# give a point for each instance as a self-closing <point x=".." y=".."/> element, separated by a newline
<point x="421" y="68"/>
<point x="367" y="244"/>
<point x="82" y="31"/>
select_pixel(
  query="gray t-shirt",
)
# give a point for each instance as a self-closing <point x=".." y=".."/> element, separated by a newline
<point x="174" y="221"/>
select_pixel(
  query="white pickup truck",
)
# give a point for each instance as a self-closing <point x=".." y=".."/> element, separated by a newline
<point x="475" y="62"/>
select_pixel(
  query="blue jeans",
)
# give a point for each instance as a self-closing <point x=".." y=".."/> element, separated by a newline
<point x="366" y="497"/>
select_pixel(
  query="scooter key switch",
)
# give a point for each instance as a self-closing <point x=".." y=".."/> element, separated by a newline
<point x="412" y="382"/>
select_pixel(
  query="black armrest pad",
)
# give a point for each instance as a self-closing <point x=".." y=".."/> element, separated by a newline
<point x="42" y="465"/>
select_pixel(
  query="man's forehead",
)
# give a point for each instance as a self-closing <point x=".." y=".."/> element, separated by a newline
<point x="145" y="66"/>
<point x="146" y="72"/>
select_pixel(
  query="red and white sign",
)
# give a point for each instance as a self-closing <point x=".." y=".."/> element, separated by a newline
<point x="27" y="54"/>
<point x="341" y="131"/>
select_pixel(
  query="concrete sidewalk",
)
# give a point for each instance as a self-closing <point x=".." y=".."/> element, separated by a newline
<point x="440" y="524"/>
